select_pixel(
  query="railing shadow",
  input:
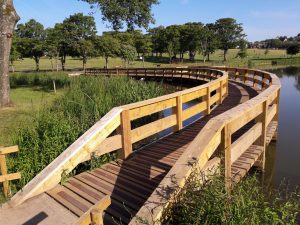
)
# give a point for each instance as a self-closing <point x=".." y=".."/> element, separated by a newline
<point x="141" y="173"/>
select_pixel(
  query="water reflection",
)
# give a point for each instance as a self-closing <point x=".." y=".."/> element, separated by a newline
<point x="283" y="157"/>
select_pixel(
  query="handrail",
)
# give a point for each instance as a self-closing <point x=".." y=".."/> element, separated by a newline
<point x="96" y="140"/>
<point x="217" y="134"/>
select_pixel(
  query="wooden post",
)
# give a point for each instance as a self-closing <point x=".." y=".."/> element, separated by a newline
<point x="54" y="86"/>
<point x="179" y="112"/>
<point x="126" y="135"/>
<point x="221" y="92"/>
<point x="3" y="166"/>
<point x="246" y="76"/>
<point x="208" y="100"/>
<point x="236" y="74"/>
<point x="261" y="141"/>
<point x="96" y="217"/>
<point x="226" y="145"/>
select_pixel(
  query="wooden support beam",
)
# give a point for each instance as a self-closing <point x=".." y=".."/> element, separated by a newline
<point x="262" y="139"/>
<point x="126" y="135"/>
<point x="3" y="166"/>
<point x="8" y="150"/>
<point x="179" y="113"/>
<point x="226" y="145"/>
<point x="208" y="100"/>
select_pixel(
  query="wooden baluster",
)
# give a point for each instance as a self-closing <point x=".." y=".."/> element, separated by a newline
<point x="262" y="139"/>
<point x="208" y="100"/>
<point x="246" y="76"/>
<point x="96" y="217"/>
<point x="3" y="166"/>
<point x="236" y="74"/>
<point x="221" y="92"/>
<point x="226" y="146"/>
<point x="126" y="135"/>
<point x="179" y="113"/>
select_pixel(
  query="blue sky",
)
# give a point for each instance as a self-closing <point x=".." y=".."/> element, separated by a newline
<point x="261" y="18"/>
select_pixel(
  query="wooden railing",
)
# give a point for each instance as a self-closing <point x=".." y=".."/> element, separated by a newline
<point x="97" y="140"/>
<point x="5" y="177"/>
<point x="217" y="134"/>
<point x="94" y="216"/>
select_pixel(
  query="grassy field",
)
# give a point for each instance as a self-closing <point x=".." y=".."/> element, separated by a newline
<point x="216" y="59"/>
<point x="27" y="101"/>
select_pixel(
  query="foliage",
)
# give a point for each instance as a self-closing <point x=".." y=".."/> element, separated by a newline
<point x="208" y="41"/>
<point x="127" y="53"/>
<point x="247" y="203"/>
<point x="31" y="36"/>
<point x="230" y="33"/>
<point x="56" y="127"/>
<point x="44" y="80"/>
<point x="108" y="47"/>
<point x="132" y="12"/>
<point x="80" y="30"/>
<point x="293" y="49"/>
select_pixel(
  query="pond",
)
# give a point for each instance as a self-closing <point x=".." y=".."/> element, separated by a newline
<point x="283" y="156"/>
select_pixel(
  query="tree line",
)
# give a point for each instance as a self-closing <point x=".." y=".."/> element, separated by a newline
<point x="77" y="36"/>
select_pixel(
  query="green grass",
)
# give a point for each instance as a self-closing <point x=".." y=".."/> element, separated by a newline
<point x="44" y="124"/>
<point x="247" y="203"/>
<point x="26" y="102"/>
<point x="216" y="59"/>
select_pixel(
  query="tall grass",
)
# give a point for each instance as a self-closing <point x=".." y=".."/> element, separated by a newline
<point x="247" y="203"/>
<point x="56" y="127"/>
<point x="44" y="80"/>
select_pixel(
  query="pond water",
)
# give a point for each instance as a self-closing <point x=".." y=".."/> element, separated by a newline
<point x="283" y="156"/>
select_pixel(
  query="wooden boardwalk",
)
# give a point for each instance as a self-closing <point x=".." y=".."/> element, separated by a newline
<point x="130" y="182"/>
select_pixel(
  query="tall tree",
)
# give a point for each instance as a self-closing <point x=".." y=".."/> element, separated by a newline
<point x="81" y="31"/>
<point x="131" y="12"/>
<point x="157" y="38"/>
<point x="108" y="47"/>
<point x="127" y="53"/>
<point x="143" y="46"/>
<point x="189" y="39"/>
<point x="32" y="37"/>
<point x="208" y="41"/>
<point x="8" y="20"/>
<point x="172" y="40"/>
<point x="230" y="33"/>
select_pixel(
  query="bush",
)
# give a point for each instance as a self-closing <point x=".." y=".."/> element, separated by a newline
<point x="44" y="80"/>
<point x="246" y="204"/>
<point x="56" y="127"/>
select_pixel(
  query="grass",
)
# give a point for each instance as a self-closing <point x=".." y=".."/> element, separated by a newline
<point x="27" y="101"/>
<point x="44" y="124"/>
<point x="207" y="202"/>
<point x="216" y="59"/>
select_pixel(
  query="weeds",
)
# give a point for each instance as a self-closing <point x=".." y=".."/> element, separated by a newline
<point x="209" y="203"/>
<point x="57" y="126"/>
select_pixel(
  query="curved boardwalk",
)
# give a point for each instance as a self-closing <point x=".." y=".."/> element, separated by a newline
<point x="131" y="182"/>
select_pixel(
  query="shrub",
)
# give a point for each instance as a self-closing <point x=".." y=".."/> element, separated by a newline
<point x="247" y="203"/>
<point x="56" y="127"/>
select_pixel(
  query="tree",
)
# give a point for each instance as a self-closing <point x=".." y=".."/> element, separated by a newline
<point x="293" y="49"/>
<point x="172" y="40"/>
<point x="8" y="20"/>
<point x="107" y="47"/>
<point x="189" y="39"/>
<point x="157" y="38"/>
<point x="230" y="33"/>
<point x="31" y="40"/>
<point x="80" y="31"/>
<point x="243" y="50"/>
<point x="208" y="41"/>
<point x="143" y="46"/>
<point x="132" y="12"/>
<point x="14" y="54"/>
<point x="127" y="53"/>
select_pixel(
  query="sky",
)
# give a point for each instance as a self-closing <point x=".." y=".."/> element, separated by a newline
<point x="261" y="19"/>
